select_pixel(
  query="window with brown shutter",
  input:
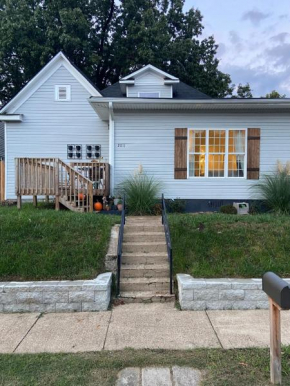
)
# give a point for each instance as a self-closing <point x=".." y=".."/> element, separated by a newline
<point x="180" y="154"/>
<point x="253" y="165"/>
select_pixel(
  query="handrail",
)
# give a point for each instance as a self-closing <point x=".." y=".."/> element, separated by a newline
<point x="168" y="243"/>
<point x="120" y="246"/>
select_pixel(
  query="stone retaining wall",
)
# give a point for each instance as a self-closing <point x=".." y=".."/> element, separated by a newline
<point x="57" y="296"/>
<point x="221" y="294"/>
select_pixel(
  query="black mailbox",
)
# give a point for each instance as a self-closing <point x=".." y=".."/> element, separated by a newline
<point x="277" y="289"/>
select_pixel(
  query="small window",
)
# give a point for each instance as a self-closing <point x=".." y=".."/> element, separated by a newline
<point x="74" y="151"/>
<point x="93" y="151"/>
<point x="149" y="94"/>
<point x="62" y="93"/>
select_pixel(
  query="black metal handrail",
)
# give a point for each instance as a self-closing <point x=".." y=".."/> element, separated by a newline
<point x="168" y="242"/>
<point x="120" y="246"/>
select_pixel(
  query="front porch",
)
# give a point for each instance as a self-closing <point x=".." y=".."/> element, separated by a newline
<point x="77" y="185"/>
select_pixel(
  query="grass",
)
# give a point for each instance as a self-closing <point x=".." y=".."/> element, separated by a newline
<point x="219" y="245"/>
<point x="42" y="244"/>
<point x="241" y="367"/>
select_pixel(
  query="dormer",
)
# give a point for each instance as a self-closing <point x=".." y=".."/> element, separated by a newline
<point x="148" y="82"/>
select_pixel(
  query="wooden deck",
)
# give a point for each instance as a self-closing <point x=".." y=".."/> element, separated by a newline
<point x="74" y="185"/>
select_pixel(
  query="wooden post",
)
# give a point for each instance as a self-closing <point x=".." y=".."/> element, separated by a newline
<point x="47" y="199"/>
<point x="91" y="197"/>
<point x="56" y="184"/>
<point x="34" y="200"/>
<point x="19" y="201"/>
<point x="275" y="343"/>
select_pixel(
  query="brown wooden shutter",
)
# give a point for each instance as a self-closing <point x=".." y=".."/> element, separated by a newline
<point x="180" y="154"/>
<point x="253" y="165"/>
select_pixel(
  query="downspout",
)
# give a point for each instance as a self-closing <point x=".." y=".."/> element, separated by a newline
<point x="6" y="161"/>
<point x="112" y="147"/>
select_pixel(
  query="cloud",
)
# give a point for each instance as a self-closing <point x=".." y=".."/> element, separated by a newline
<point x="281" y="37"/>
<point x="255" y="16"/>
<point x="236" y="40"/>
<point x="280" y="55"/>
<point x="261" y="79"/>
<point x="222" y="49"/>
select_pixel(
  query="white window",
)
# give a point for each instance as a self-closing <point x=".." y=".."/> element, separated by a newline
<point x="149" y="94"/>
<point x="217" y="153"/>
<point x="62" y="93"/>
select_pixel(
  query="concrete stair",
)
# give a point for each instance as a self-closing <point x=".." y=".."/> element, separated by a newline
<point x="145" y="266"/>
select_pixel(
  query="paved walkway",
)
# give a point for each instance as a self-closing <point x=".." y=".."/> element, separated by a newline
<point x="137" y="326"/>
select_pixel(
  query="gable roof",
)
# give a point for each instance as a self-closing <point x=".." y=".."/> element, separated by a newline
<point x="152" y="68"/>
<point x="45" y="73"/>
<point x="180" y="91"/>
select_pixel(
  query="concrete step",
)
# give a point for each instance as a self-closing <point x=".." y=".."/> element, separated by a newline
<point x="144" y="219"/>
<point x="157" y="285"/>
<point x="144" y="236"/>
<point x="144" y="297"/>
<point x="145" y="247"/>
<point x="146" y="227"/>
<point x="144" y="258"/>
<point x="144" y="270"/>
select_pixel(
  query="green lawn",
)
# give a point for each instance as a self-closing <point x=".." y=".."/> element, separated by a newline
<point x="218" y="245"/>
<point x="242" y="367"/>
<point x="42" y="244"/>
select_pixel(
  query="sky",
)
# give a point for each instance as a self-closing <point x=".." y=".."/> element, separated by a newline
<point x="253" y="39"/>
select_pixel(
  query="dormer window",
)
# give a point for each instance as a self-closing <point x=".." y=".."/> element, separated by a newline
<point x="62" y="93"/>
<point x="149" y="94"/>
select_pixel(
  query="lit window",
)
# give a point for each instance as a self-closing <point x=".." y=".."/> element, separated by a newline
<point x="62" y="93"/>
<point x="217" y="153"/>
<point x="149" y="95"/>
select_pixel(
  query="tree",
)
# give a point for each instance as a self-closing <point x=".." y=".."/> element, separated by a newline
<point x="107" y="41"/>
<point x="274" y="95"/>
<point x="243" y="91"/>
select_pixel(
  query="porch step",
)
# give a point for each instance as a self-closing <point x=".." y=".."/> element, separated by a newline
<point x="143" y="236"/>
<point x="144" y="258"/>
<point x="145" y="247"/>
<point x="145" y="297"/>
<point x="70" y="206"/>
<point x="158" y="285"/>
<point x="144" y="270"/>
<point x="143" y="227"/>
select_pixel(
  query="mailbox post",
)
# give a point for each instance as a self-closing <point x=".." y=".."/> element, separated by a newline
<point x="278" y="292"/>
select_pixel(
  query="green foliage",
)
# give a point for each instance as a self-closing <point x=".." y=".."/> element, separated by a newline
<point x="141" y="193"/>
<point x="275" y="95"/>
<point x="107" y="40"/>
<point x="243" y="91"/>
<point x="275" y="190"/>
<point x="42" y="244"/>
<point x="176" y="206"/>
<point x="228" y="209"/>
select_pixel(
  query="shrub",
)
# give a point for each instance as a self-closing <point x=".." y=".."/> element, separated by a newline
<point x="275" y="189"/>
<point x="228" y="209"/>
<point x="176" y="206"/>
<point x="141" y="193"/>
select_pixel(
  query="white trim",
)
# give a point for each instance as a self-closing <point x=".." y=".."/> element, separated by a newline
<point x="148" y="92"/>
<point x="68" y="92"/>
<point x="152" y="68"/>
<point x="11" y="118"/>
<point x="112" y="147"/>
<point x="206" y="177"/>
<point x="56" y="62"/>
<point x="6" y="159"/>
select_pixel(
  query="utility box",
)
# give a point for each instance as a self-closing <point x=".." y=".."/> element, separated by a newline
<point x="242" y="207"/>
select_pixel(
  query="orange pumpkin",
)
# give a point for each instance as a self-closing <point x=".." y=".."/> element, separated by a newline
<point x="98" y="206"/>
<point x="81" y="196"/>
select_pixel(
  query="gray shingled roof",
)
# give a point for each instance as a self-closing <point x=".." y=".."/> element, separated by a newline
<point x="180" y="91"/>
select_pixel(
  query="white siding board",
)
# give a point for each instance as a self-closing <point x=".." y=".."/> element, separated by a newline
<point x="48" y="125"/>
<point x="149" y="140"/>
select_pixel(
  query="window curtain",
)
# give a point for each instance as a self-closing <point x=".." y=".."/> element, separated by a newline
<point x="239" y="142"/>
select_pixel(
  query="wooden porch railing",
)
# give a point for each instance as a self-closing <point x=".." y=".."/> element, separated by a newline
<point x="72" y="185"/>
<point x="98" y="172"/>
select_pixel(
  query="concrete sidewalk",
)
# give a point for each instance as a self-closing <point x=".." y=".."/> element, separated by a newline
<point x="137" y="326"/>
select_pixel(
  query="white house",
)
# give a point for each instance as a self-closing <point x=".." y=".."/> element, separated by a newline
<point x="207" y="151"/>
